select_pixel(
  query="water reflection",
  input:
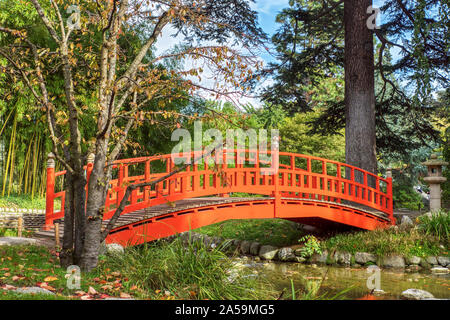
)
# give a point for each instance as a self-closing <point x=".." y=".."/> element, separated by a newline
<point x="337" y="279"/>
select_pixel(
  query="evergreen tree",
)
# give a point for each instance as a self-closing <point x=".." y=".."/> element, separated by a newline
<point x="314" y="43"/>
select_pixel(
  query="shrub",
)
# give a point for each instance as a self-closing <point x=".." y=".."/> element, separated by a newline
<point x="383" y="242"/>
<point x="437" y="224"/>
<point x="311" y="245"/>
<point x="406" y="197"/>
<point x="187" y="270"/>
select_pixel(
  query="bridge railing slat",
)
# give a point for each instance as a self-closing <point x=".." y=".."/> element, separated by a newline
<point x="296" y="177"/>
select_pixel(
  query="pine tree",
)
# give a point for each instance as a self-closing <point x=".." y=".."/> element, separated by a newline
<point x="327" y="39"/>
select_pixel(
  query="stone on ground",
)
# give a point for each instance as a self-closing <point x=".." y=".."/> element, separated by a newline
<point x="114" y="249"/>
<point x="432" y="260"/>
<point x="286" y="254"/>
<point x="245" y="247"/>
<point x="412" y="260"/>
<point x="343" y="258"/>
<point x="364" y="257"/>
<point x="319" y="258"/>
<point x="254" y="248"/>
<point x="444" y="261"/>
<point x="33" y="290"/>
<point x="406" y="223"/>
<point x="16" y="241"/>
<point x="267" y="252"/>
<point x="439" y="270"/>
<point x="416" y="294"/>
<point x="393" y="261"/>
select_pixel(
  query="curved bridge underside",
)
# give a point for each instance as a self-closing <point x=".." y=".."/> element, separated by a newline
<point x="164" y="220"/>
<point x="305" y="189"/>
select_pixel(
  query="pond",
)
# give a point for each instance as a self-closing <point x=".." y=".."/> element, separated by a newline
<point x="338" y="279"/>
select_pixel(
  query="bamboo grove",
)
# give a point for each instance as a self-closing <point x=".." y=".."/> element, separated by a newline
<point x="23" y="150"/>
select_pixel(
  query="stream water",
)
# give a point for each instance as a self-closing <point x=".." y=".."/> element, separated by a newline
<point x="338" y="279"/>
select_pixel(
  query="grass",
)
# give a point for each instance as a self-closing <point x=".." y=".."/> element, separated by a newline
<point x="23" y="202"/>
<point x="26" y="202"/>
<point x="429" y="237"/>
<point x="187" y="271"/>
<point x="438" y="224"/>
<point x="11" y="295"/>
<point x="161" y="270"/>
<point x="389" y="241"/>
<point x="275" y="232"/>
<point x="8" y="232"/>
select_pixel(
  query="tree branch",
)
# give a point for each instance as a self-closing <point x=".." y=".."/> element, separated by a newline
<point x="132" y="187"/>
<point x="45" y="20"/>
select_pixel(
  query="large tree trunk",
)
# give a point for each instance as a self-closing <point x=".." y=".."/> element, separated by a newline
<point x="66" y="254"/>
<point x="97" y="190"/>
<point x="360" y="139"/>
<point x="74" y="219"/>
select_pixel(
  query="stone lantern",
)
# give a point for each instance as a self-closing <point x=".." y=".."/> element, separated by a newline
<point x="434" y="179"/>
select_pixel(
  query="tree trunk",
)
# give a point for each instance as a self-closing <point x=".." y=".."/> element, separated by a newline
<point x="74" y="217"/>
<point x="360" y="139"/>
<point x="97" y="190"/>
<point x="66" y="254"/>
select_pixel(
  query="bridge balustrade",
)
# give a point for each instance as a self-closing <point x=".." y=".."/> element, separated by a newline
<point x="233" y="171"/>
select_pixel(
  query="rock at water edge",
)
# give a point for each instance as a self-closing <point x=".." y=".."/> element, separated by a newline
<point x="267" y="252"/>
<point x="254" y="248"/>
<point x="416" y="294"/>
<point x="364" y="257"/>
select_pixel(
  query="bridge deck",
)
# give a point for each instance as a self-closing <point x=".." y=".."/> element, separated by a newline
<point x="195" y="203"/>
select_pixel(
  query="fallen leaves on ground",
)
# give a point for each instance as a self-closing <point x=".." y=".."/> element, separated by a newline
<point x="50" y="279"/>
<point x="8" y="287"/>
<point x="45" y="285"/>
<point x="124" y="295"/>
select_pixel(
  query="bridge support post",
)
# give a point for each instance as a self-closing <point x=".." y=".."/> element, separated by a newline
<point x="89" y="166"/>
<point x="50" y="191"/>
<point x="390" y="195"/>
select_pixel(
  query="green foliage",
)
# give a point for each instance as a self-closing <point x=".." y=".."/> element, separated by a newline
<point x="406" y="197"/>
<point x="275" y="232"/>
<point x="311" y="246"/>
<point x="23" y="201"/>
<point x="437" y="225"/>
<point x="190" y="270"/>
<point x="311" y="50"/>
<point x="383" y="242"/>
<point x="268" y="117"/>
<point x="9" y="232"/>
<point x="445" y="100"/>
<point x="296" y="137"/>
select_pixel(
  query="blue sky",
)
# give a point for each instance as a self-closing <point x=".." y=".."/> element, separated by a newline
<point x="268" y="10"/>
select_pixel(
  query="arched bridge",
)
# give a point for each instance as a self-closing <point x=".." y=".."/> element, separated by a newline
<point x="304" y="189"/>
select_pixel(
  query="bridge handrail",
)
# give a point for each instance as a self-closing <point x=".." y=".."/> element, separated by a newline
<point x="193" y="181"/>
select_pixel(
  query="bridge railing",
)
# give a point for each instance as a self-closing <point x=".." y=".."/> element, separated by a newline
<point x="232" y="171"/>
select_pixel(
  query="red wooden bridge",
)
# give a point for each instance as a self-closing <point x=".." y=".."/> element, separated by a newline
<point x="305" y="189"/>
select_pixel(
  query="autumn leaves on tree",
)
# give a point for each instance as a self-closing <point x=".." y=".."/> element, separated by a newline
<point x="109" y="72"/>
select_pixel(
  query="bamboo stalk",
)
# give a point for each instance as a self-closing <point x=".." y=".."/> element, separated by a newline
<point x="35" y="160"/>
<point x="6" y="121"/>
<point x="8" y="160"/>
<point x="26" y="170"/>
